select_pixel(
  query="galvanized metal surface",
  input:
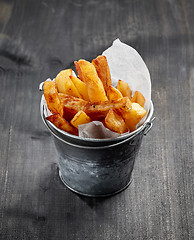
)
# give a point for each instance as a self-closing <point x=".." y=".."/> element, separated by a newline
<point x="97" y="172"/>
<point x="101" y="168"/>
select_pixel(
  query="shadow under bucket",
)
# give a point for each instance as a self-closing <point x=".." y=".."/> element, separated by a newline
<point x="94" y="167"/>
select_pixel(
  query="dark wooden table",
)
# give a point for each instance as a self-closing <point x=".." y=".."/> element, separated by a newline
<point x="40" y="38"/>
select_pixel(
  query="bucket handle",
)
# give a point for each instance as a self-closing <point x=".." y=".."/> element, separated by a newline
<point x="41" y="86"/>
<point x="148" y="126"/>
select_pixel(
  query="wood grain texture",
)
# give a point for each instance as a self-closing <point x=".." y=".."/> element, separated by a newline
<point x="40" y="38"/>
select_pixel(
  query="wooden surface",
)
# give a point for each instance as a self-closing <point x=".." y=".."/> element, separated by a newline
<point x="37" y="40"/>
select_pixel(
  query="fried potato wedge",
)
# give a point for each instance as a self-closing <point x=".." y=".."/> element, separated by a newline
<point x="102" y="68"/>
<point x="80" y="118"/>
<point x="52" y="98"/>
<point x="94" y="85"/>
<point x="70" y="88"/>
<point x="133" y="117"/>
<point x="71" y="105"/>
<point x="60" y="79"/>
<point x="99" y="110"/>
<point x="115" y="122"/>
<point x="113" y="93"/>
<point x="79" y="71"/>
<point x="81" y="87"/>
<point x="138" y="98"/>
<point x="124" y="88"/>
<point x="62" y="124"/>
<point x="65" y="84"/>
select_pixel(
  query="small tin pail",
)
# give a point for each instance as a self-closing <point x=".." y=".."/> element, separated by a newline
<point x="97" y="167"/>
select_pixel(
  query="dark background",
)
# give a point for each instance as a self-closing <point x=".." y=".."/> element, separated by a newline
<point x="40" y="38"/>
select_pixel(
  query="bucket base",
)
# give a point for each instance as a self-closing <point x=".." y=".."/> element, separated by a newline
<point x="92" y="195"/>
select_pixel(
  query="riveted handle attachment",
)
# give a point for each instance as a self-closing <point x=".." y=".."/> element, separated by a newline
<point x="148" y="127"/>
<point x="41" y="86"/>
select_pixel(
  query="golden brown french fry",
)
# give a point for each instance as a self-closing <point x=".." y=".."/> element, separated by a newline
<point x="52" y="97"/>
<point x="115" y="122"/>
<point x="138" y="98"/>
<point x="60" y="79"/>
<point x="81" y="87"/>
<point x="70" y="88"/>
<point x="133" y="117"/>
<point x="62" y="124"/>
<point x="124" y="88"/>
<point x="94" y="85"/>
<point x="71" y="105"/>
<point x="65" y="85"/>
<point x="79" y="71"/>
<point x="99" y="110"/>
<point x="113" y="93"/>
<point x="80" y="118"/>
<point x="103" y="71"/>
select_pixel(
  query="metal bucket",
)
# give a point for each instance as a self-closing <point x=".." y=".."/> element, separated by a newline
<point x="94" y="167"/>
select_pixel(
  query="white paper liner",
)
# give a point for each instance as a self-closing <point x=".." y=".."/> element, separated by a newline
<point x="126" y="64"/>
<point x="96" y="130"/>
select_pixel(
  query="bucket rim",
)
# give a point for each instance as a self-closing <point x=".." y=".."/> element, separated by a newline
<point x="96" y="140"/>
<point x="121" y="139"/>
